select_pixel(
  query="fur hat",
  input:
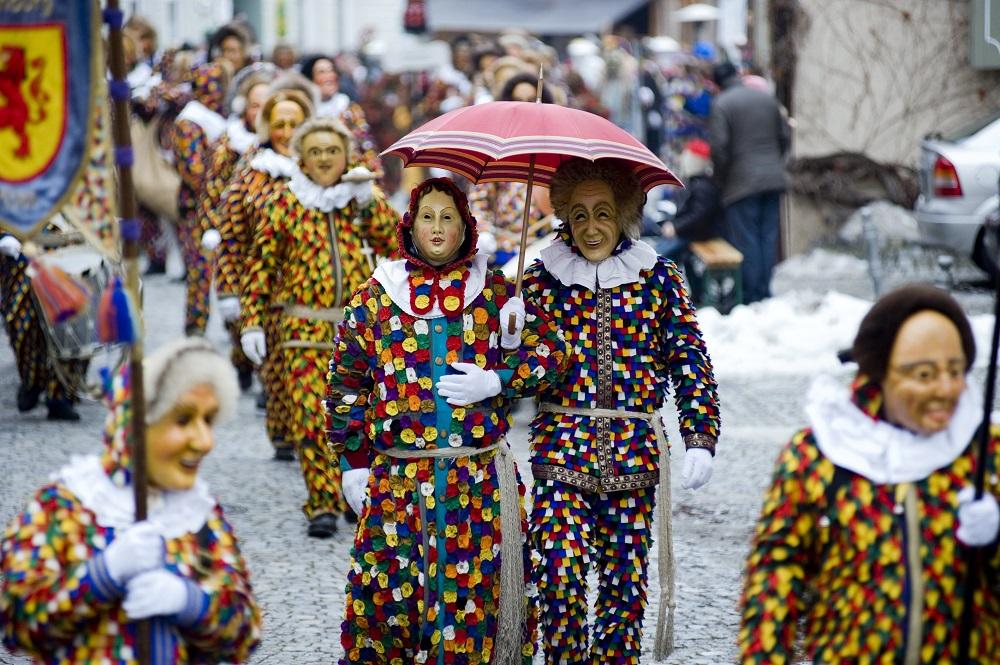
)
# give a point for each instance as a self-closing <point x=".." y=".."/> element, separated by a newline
<point x="180" y="365"/>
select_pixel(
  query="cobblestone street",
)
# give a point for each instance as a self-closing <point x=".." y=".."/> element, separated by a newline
<point x="300" y="581"/>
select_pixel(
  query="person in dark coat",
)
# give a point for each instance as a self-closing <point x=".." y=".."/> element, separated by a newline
<point x="749" y="139"/>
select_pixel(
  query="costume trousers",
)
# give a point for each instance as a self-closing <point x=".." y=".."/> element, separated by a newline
<point x="305" y="375"/>
<point x="752" y="226"/>
<point x="23" y="323"/>
<point x="198" y="270"/>
<point x="572" y="529"/>
<point x="277" y="420"/>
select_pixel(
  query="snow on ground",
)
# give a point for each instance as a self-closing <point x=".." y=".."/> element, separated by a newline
<point x="800" y="331"/>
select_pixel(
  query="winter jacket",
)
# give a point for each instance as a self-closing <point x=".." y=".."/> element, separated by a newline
<point x="749" y="139"/>
<point x="700" y="214"/>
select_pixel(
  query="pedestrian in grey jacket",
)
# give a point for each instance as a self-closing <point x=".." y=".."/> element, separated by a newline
<point x="749" y="137"/>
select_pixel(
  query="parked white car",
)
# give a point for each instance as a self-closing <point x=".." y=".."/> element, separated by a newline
<point x="958" y="185"/>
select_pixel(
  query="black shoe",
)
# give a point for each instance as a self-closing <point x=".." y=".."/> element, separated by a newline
<point x="156" y="268"/>
<point x="27" y="398"/>
<point x="62" y="409"/>
<point x="350" y="516"/>
<point x="262" y="401"/>
<point x="245" y="377"/>
<point x="284" y="454"/>
<point x="323" y="526"/>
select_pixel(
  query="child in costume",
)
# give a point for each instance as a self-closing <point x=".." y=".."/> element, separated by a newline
<point x="597" y="444"/>
<point x="861" y="546"/>
<point x="78" y="570"/>
<point x="420" y="389"/>
<point x="241" y="208"/>
<point x="308" y="256"/>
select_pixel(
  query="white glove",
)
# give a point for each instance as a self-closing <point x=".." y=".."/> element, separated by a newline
<point x="136" y="550"/>
<point x="513" y="306"/>
<point x="697" y="468"/>
<point x="210" y="239"/>
<point x="229" y="308"/>
<point x="474" y="384"/>
<point x="978" y="521"/>
<point x="362" y="184"/>
<point x="10" y="246"/>
<point x="155" y="593"/>
<point x="487" y="243"/>
<point x="254" y="346"/>
<point x="354" y="484"/>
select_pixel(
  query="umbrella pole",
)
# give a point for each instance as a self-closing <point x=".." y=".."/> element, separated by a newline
<point x="971" y="555"/>
<point x="512" y="324"/>
<point x="129" y="228"/>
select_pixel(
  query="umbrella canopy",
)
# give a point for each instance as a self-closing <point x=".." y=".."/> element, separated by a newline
<point x="495" y="142"/>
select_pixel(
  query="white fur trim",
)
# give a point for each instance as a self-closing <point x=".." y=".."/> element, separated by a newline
<point x="624" y="267"/>
<point x="312" y="195"/>
<point x="274" y="164"/>
<point x="240" y="138"/>
<point x="175" y="513"/>
<point x="184" y="364"/>
<point x="878" y="450"/>
<point x="392" y="275"/>
<point x="210" y="122"/>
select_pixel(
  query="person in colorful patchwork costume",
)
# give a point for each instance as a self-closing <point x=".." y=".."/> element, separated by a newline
<point x="198" y="124"/>
<point x="79" y="571"/>
<point x="860" y="551"/>
<point x="239" y="139"/>
<point x="597" y="444"/>
<point x="419" y="406"/>
<point x="308" y="255"/>
<point x="266" y="170"/>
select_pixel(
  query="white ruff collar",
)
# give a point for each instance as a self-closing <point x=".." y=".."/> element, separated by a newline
<point x="622" y="268"/>
<point x="210" y="122"/>
<point x="879" y="451"/>
<point x="274" y="164"/>
<point x="334" y="106"/>
<point x="392" y="275"/>
<point x="175" y="513"/>
<point x="312" y="195"/>
<point x="240" y="138"/>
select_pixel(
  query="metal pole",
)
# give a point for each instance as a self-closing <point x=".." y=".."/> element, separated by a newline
<point x="871" y="247"/>
<point x="129" y="228"/>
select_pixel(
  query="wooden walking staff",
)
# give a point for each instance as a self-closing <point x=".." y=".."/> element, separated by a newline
<point x="512" y="323"/>
<point x="130" y="233"/>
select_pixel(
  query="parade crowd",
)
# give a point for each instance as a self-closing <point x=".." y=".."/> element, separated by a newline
<point x="370" y="305"/>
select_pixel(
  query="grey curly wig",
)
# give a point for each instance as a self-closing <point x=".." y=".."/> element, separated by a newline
<point x="625" y="186"/>
<point x="320" y="123"/>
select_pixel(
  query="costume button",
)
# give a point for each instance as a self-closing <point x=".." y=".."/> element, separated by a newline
<point x="442" y="464"/>
<point x="438" y="361"/>
<point x="438" y="328"/>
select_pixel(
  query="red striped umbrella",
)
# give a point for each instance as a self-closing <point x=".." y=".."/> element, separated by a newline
<point x="495" y="141"/>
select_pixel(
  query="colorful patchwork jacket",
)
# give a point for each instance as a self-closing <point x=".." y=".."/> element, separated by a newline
<point x="224" y="156"/>
<point x="633" y="335"/>
<point x="867" y="564"/>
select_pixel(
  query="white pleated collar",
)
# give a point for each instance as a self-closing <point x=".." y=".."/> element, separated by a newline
<point x="313" y="196"/>
<point x="878" y="450"/>
<point x="240" y="138"/>
<point x="571" y="268"/>
<point x="175" y="513"/>
<point x="210" y="122"/>
<point x="274" y="164"/>
<point x="393" y="276"/>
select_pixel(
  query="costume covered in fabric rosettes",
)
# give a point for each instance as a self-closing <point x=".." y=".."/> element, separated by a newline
<point x="307" y="258"/>
<point x="236" y="145"/>
<point x="59" y="603"/>
<point x="425" y="579"/>
<point x="856" y="542"/>
<point x="198" y="124"/>
<point x="633" y="334"/>
<point x="240" y="210"/>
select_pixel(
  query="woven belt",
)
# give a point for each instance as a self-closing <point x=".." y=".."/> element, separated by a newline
<point x="331" y="314"/>
<point x="664" y="643"/>
<point x="512" y="601"/>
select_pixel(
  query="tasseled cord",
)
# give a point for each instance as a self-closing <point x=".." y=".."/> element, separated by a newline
<point x="60" y="295"/>
<point x="116" y="315"/>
